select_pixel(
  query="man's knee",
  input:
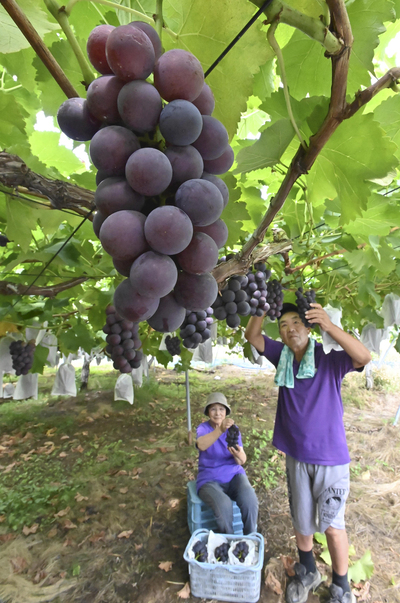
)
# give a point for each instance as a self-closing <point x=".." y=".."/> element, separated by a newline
<point x="334" y="534"/>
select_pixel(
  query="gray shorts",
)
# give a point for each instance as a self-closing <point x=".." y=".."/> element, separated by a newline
<point x="317" y="495"/>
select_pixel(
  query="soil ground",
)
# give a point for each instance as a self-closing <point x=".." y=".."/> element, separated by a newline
<point x="93" y="492"/>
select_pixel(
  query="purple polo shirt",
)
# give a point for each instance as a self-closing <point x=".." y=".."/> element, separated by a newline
<point x="309" y="417"/>
<point x="216" y="464"/>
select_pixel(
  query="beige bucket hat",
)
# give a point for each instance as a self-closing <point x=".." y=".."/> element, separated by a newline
<point x="217" y="398"/>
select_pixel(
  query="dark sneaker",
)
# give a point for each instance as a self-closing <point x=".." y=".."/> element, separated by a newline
<point x="338" y="596"/>
<point x="297" y="590"/>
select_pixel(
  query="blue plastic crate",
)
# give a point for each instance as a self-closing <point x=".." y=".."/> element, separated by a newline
<point x="225" y="582"/>
<point x="200" y="515"/>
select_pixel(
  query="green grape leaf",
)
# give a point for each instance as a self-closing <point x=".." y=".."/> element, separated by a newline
<point x="267" y="151"/>
<point x="77" y="337"/>
<point x="39" y="359"/>
<point x="21" y="220"/>
<point x="46" y="146"/>
<point x="388" y="115"/>
<point x="12" y="39"/>
<point x="361" y="569"/>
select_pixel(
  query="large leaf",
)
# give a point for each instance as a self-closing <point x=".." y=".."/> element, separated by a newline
<point x="361" y="569"/>
<point x="46" y="146"/>
<point x="379" y="217"/>
<point x="388" y="115"/>
<point x="347" y="161"/>
<point x="11" y="39"/>
<point x="267" y="151"/>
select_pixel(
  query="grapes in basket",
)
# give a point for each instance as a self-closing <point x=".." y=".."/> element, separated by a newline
<point x="241" y="550"/>
<point x="221" y="552"/>
<point x="200" y="551"/>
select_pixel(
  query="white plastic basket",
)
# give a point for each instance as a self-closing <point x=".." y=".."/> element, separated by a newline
<point x="225" y="582"/>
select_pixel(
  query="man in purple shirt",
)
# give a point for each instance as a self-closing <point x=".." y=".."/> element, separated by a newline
<point x="221" y="477"/>
<point x="309" y="430"/>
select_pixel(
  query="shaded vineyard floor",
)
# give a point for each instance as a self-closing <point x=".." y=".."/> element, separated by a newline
<point x="93" y="492"/>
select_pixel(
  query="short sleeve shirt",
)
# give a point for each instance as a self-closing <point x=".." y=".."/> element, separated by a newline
<point x="309" y="418"/>
<point x="216" y="464"/>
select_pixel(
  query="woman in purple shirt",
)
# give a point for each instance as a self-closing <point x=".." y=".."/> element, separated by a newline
<point x="309" y="430"/>
<point x="221" y="477"/>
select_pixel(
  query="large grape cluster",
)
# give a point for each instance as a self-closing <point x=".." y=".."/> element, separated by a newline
<point x="123" y="341"/>
<point x="232" y="436"/>
<point x="241" y="551"/>
<point x="158" y="152"/>
<point x="195" y="328"/>
<point x="274" y="299"/>
<point x="200" y="551"/>
<point x="22" y="356"/>
<point x="232" y="302"/>
<point x="303" y="302"/>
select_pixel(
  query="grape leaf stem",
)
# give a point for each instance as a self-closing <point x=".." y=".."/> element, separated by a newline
<point x="60" y="14"/>
<point x="275" y="46"/>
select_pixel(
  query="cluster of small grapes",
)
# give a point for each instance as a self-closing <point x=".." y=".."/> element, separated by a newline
<point x="22" y="356"/>
<point x="274" y="299"/>
<point x="241" y="550"/>
<point x="200" y="551"/>
<point x="123" y="341"/>
<point x="195" y="329"/>
<point x="303" y="302"/>
<point x="158" y="152"/>
<point x="232" y="302"/>
<point x="173" y="345"/>
<point x="221" y="552"/>
<point x="256" y="289"/>
<point x="232" y="436"/>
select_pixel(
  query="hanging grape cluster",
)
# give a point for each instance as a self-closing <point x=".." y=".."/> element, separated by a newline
<point x="253" y="294"/>
<point x="22" y="356"/>
<point x="303" y="302"/>
<point x="173" y="345"/>
<point x="158" y="152"/>
<point x="195" y="329"/>
<point x="123" y="341"/>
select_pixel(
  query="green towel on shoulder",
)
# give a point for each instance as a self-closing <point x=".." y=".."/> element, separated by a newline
<point x="284" y="372"/>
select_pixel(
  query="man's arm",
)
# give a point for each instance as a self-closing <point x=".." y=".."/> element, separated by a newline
<point x="355" y="349"/>
<point x="253" y="333"/>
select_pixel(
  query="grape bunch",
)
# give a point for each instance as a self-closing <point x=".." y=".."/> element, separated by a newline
<point x="200" y="551"/>
<point x="221" y="552"/>
<point x="256" y="289"/>
<point x="241" y="550"/>
<point x="195" y="329"/>
<point x="232" y="436"/>
<point x="303" y="302"/>
<point x="173" y="345"/>
<point x="22" y="356"/>
<point x="123" y="341"/>
<point x="232" y="302"/>
<point x="274" y="299"/>
<point x="158" y="152"/>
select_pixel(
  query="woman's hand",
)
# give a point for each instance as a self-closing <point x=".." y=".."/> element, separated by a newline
<point x="226" y="423"/>
<point x="238" y="454"/>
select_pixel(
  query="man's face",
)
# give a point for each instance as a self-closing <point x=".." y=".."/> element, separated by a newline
<point x="293" y="332"/>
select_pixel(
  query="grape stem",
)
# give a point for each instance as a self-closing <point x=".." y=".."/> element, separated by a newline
<point x="275" y="46"/>
<point x="135" y="13"/>
<point x="61" y="15"/>
<point x="159" y="18"/>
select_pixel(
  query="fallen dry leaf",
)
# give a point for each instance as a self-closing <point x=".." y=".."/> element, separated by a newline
<point x="138" y="547"/>
<point x="173" y="502"/>
<point x="166" y="566"/>
<point x="149" y="450"/>
<point x="80" y="498"/>
<point x="288" y="564"/>
<point x="125" y="534"/>
<point x="106" y="496"/>
<point x="122" y="505"/>
<point x="122" y="472"/>
<point x="78" y="449"/>
<point x="31" y="530"/>
<point x="64" y="437"/>
<point x="184" y="593"/>
<point x="68" y="525"/>
<point x="51" y="432"/>
<point x="63" y="512"/>
<point x="100" y="458"/>
<point x="85" y="433"/>
<point x="2" y="518"/>
<point x="68" y="542"/>
<point x="41" y="575"/>
<point x="165" y="449"/>
<point x="62" y="455"/>
<point x="97" y="537"/>
<point x="6" y="537"/>
<point x="363" y="593"/>
<point x="136" y="471"/>
<point x="18" y="564"/>
<point x="123" y="490"/>
<point x="273" y="583"/>
<point x="52" y="533"/>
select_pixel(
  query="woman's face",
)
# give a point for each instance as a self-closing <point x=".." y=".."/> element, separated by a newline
<point x="217" y="413"/>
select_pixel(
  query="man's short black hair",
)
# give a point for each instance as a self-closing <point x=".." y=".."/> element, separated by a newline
<point x="287" y="307"/>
